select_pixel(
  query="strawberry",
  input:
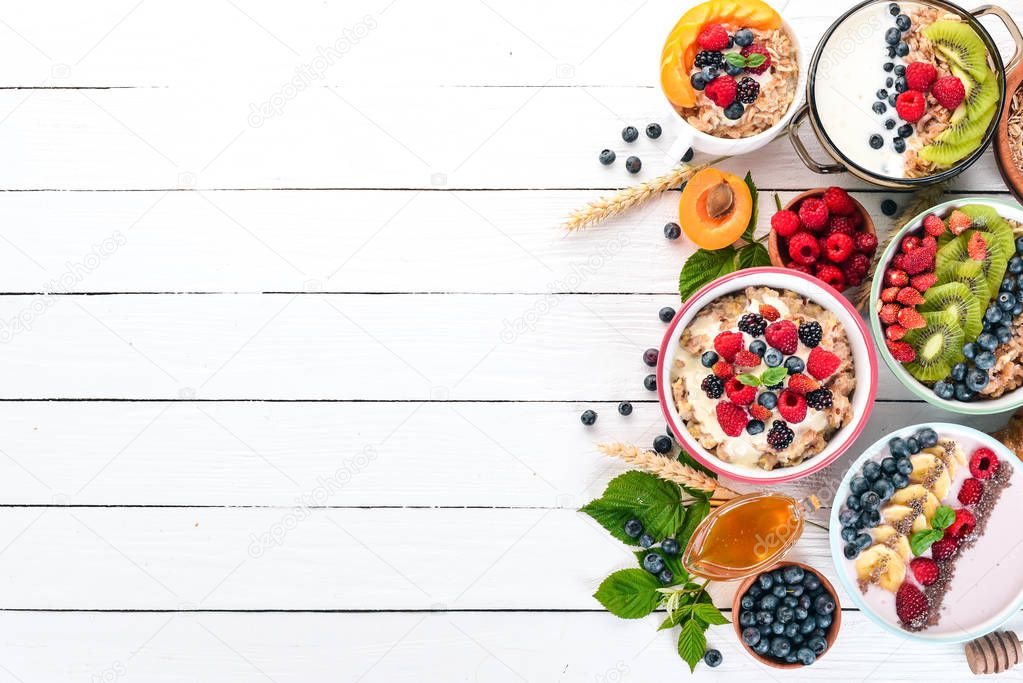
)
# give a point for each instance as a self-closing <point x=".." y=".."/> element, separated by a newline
<point x="971" y="491"/>
<point x="945" y="548"/>
<point x="813" y="213"/>
<point x="759" y="412"/>
<point x="727" y="344"/>
<point x="911" y="604"/>
<point x="919" y="261"/>
<point x="910" y="243"/>
<point x="740" y="393"/>
<point x="919" y="75"/>
<point x="983" y="463"/>
<point x="713" y="37"/>
<point x="901" y="351"/>
<point x="821" y="363"/>
<point x="721" y="90"/>
<point x="929" y="243"/>
<point x="910" y="318"/>
<point x="801" y="383"/>
<point x="831" y="275"/>
<point x="723" y="369"/>
<point x="896" y="278"/>
<point x="899" y="261"/>
<point x="963" y="525"/>
<point x="888" y="295"/>
<point x="769" y="312"/>
<point x="909" y="297"/>
<point x="839" y="202"/>
<point x="910" y="105"/>
<point x="923" y="281"/>
<point x="889" y="313"/>
<point x="949" y="91"/>
<point x="792" y="406"/>
<point x="925" y="570"/>
<point x="747" y="359"/>
<point x="977" y="247"/>
<point x="933" y="225"/>
<point x="785" y="223"/>
<point x="958" y="222"/>
<point x="731" y="417"/>
<point x="895" y="332"/>
<point x="783" y="336"/>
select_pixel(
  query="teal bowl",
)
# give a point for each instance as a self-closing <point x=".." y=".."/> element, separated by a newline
<point x="1007" y="402"/>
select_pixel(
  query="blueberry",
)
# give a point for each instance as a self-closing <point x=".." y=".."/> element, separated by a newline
<point x="1018" y="308"/>
<point x="958" y="372"/>
<point x="817" y="644"/>
<point x="791" y="630"/>
<point x="793" y="574"/>
<point x="777" y="628"/>
<point x="750" y="636"/>
<point x="811" y="583"/>
<point x="805" y="602"/>
<point x="892" y="36"/>
<point x="665" y="576"/>
<point x="985" y="360"/>
<point x="884" y="488"/>
<point x="871" y="470"/>
<point x="963" y="394"/>
<point x="888" y="66"/>
<point x="890" y="50"/>
<point x="607" y="157"/>
<point x="733" y="70"/>
<point x="773" y="358"/>
<point x="633" y="528"/>
<point x="762" y="648"/>
<point x="904" y="465"/>
<point x="987" y="341"/>
<point x="882" y="94"/>
<point x="893" y="9"/>
<point x="780" y="647"/>
<point x="858" y="485"/>
<point x="1008" y="284"/>
<point x="993" y="314"/>
<point x="889" y="123"/>
<point x="903" y="22"/>
<point x="708" y="359"/>
<point x="794" y="364"/>
<point x="764" y="618"/>
<point x="653" y="131"/>
<point x="768" y="399"/>
<point x="862" y="541"/>
<point x="784" y="615"/>
<point x="629" y="133"/>
<point x="755" y="591"/>
<point x="748" y="619"/>
<point x="892" y="99"/>
<point x="899" y="145"/>
<point x="672" y="231"/>
<point x="625" y="408"/>
<point x="902" y="49"/>
<point x="849" y="533"/>
<point x="850" y="551"/>
<point x="734" y="111"/>
<point x="853" y="502"/>
<point x="747" y="602"/>
<point x="870" y="518"/>
<point x="913" y="445"/>
<point x="713" y="658"/>
<point x="976" y="379"/>
<point x="927" y="438"/>
<point x="662" y="444"/>
<point x="769" y="602"/>
<point x="905" y="131"/>
<point x="944" y="390"/>
<point x="970" y="350"/>
<point x="879" y="107"/>
<point x="847" y="516"/>
<point x="650" y="357"/>
<point x="790" y="658"/>
<point x="888" y="465"/>
<point x="688" y="156"/>
<point x="796" y="590"/>
<point x="758" y="347"/>
<point x="824" y="604"/>
<point x="669" y="546"/>
<point x="1006" y="301"/>
<point x="765" y="581"/>
<point x="1019" y="245"/>
<point x="653" y="563"/>
<point x="1016" y="265"/>
<point x="666" y="314"/>
<point x="1003" y="333"/>
<point x="808" y="625"/>
<point x="805" y="656"/>
<point x="588" y="417"/>
<point x="900" y="70"/>
<point x="778" y="590"/>
<point x="743" y="37"/>
<point x="800" y="613"/>
<point x="646" y="540"/>
<point x="754" y="427"/>
<point x="650" y="382"/>
<point x="824" y="620"/>
<point x="876" y="141"/>
<point x="889" y="207"/>
<point x="633" y="164"/>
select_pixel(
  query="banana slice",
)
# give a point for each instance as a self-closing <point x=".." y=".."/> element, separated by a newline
<point x="881" y="565"/>
<point x="952" y="461"/>
<point x="958" y="454"/>
<point x="923" y="465"/>
<point x="899" y="516"/>
<point x="941" y="485"/>
<point x="916" y="496"/>
<point x="888" y="536"/>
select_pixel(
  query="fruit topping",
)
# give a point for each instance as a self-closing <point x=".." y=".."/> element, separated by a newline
<point x="910" y="105"/>
<point x="911" y="605"/>
<point x="740" y="393"/>
<point x="949" y="92"/>
<point x="909" y="296"/>
<point x="731" y="418"/>
<point x="756" y="48"/>
<point x="783" y="336"/>
<point x="920" y="75"/>
<point x="747" y="90"/>
<point x="945" y="548"/>
<point x="747" y="359"/>
<point x="752" y="324"/>
<point x="925" y="570"/>
<point x="971" y="491"/>
<point x="713" y="37"/>
<point x="727" y="344"/>
<point x="780" y="436"/>
<point x="901" y="351"/>
<point x="819" y="399"/>
<point x="976" y="247"/>
<point x="712" y="386"/>
<point x="722" y="90"/>
<point x="983" y="463"/>
<point x="910" y="318"/>
<point x="810" y="333"/>
<point x="822" y="364"/>
<point x="923" y="281"/>
<point x="792" y="406"/>
<point x="839" y="202"/>
<point x="958" y="222"/>
<point x="769" y="312"/>
<point x="723" y="369"/>
<point x="963" y="525"/>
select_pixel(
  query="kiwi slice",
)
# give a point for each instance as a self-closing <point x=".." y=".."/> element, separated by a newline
<point x="988" y="219"/>
<point x="971" y="274"/>
<point x="938" y="345"/>
<point x="957" y="298"/>
<point x="943" y="153"/>
<point x="960" y="45"/>
<point x="992" y="266"/>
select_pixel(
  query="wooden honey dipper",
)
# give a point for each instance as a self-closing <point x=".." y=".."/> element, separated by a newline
<point x="994" y="653"/>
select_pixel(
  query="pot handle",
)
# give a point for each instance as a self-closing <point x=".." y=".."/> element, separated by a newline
<point x="1010" y="26"/>
<point x="801" y="151"/>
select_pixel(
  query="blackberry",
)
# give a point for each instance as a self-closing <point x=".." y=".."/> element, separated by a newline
<point x="753" y="324"/>
<point x="709" y="58"/>
<point x="747" y="90"/>
<point x="780" y="436"/>
<point x="713" y="386"/>
<point x="810" y="333"/>
<point x="819" y="399"/>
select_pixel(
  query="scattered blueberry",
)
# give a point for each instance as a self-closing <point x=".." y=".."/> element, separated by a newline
<point x="629" y="133"/>
<point x="899" y="145"/>
<point x="666" y="314"/>
<point x="900" y="70"/>
<point x="650" y="357"/>
<point x="890" y="51"/>
<point x="713" y="658"/>
<point x="646" y="540"/>
<point x="768" y="399"/>
<point x="871" y="470"/>
<point x="927" y="438"/>
<point x="672" y="231"/>
<point x="708" y="359"/>
<point x="607" y="157"/>
<point x="985" y="360"/>
<point x="879" y="107"/>
<point x="653" y="563"/>
<point x="633" y="528"/>
<point x="889" y="207"/>
<point x="888" y="66"/>
<point x="889" y="123"/>
<point x="893" y="9"/>
<point x="905" y="465"/>
<point x="882" y="94"/>
<point x="754" y="427"/>
<point x="650" y="382"/>
<point x="892" y="36"/>
<point x="912" y="445"/>
<point x="976" y="380"/>
<point x="688" y="156"/>
<point x="902" y="49"/>
<point x="653" y="131"/>
<point x="588" y="417"/>
<point x="905" y="131"/>
<point x="669" y="546"/>
<point x="773" y="358"/>
<point x="665" y="576"/>
<point x="633" y="164"/>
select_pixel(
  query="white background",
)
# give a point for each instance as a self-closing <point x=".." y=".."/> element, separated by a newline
<point x="292" y="326"/>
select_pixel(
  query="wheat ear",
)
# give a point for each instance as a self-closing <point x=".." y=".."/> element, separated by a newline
<point x="668" y="469"/>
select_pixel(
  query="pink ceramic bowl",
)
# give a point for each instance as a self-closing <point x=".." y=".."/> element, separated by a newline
<point x="864" y="360"/>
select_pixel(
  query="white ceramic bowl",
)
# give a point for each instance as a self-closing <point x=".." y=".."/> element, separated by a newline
<point x="949" y="630"/>
<point x="864" y="360"/>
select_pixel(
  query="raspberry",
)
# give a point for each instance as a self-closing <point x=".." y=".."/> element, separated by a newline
<point x="819" y="399"/>
<point x="832" y="276"/>
<point x="983" y="463"/>
<point x="910" y="106"/>
<point x="911" y="605"/>
<point x="721" y="90"/>
<point x="779" y="436"/>
<point x="859" y="264"/>
<point x="933" y="225"/>
<point x="731" y="417"/>
<point x="769" y="312"/>
<point x="713" y="37"/>
<point x="866" y="243"/>
<point x="740" y="393"/>
<point x="802" y="268"/>
<point x="945" y="548"/>
<point x="949" y="92"/>
<point x="710" y="58"/>
<point x="971" y="491"/>
<point x="842" y="224"/>
<point x="760" y="50"/>
<point x="792" y="406"/>
<point x="813" y="213"/>
<point x="958" y="222"/>
<point x="963" y="525"/>
<point x="910" y="243"/>
<point x="853" y="278"/>
<point x="747" y="359"/>
<point x="821" y="363"/>
<point x="918" y="261"/>
<point x="977" y="247"/>
<point x="910" y="319"/>
<point x="888" y="295"/>
<point x="923" y="281"/>
<point x="723" y="369"/>
<point x="759" y="412"/>
<point x="838" y="247"/>
<point x="747" y="90"/>
<point x="752" y="324"/>
<point x="785" y="223"/>
<point x="803" y="248"/>
<point x="838" y="201"/>
<point x="924" y="569"/>
<point x="901" y="351"/>
<point x="857" y="219"/>
<point x="895" y="332"/>
<point x="896" y="278"/>
<point x="889" y="313"/>
<point x="712" y="386"/>
<point x="801" y="384"/>
<point x="909" y="297"/>
<point x="920" y="75"/>
<point x="727" y="344"/>
<point x="783" y="336"/>
<point x="810" y="333"/>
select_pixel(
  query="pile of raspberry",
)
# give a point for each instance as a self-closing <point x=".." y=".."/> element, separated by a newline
<point x="762" y="342"/>
<point x="723" y="68"/>
<point x="823" y="236"/>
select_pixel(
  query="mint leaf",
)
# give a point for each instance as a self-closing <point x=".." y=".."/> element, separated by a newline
<point x="752" y="226"/>
<point x="753" y="255"/>
<point x="943" y="518"/>
<point x="922" y="540"/>
<point x="772" y="376"/>
<point x="709" y="614"/>
<point x="655" y="502"/>
<point x="672" y="562"/>
<point x="735" y="59"/>
<point x="702" y="267"/>
<point x="749" y="380"/>
<point x="755" y="59"/>
<point x="695" y="513"/>
<point x="692" y="643"/>
<point x="629" y="593"/>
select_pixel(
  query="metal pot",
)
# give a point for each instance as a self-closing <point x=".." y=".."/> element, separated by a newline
<point x="843" y="161"/>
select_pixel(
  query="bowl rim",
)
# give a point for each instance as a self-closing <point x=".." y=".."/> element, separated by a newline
<point x="835" y="541"/>
<point x="986" y="407"/>
<point x="696" y="302"/>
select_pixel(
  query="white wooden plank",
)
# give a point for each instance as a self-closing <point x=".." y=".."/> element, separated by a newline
<point x="341" y="241"/>
<point x="413" y="647"/>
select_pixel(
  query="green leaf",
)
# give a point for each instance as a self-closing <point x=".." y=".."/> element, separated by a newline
<point x="629" y="593"/>
<point x="655" y="502"/>
<point x="943" y="518"/>
<point x="751" y="227"/>
<point x="709" y="614"/>
<point x="922" y="540"/>
<point x="702" y="267"/>
<point x="672" y="562"/>
<point x="692" y="643"/>
<point x="755" y="59"/>
<point x="749" y="380"/>
<point x="735" y="59"/>
<point x="772" y="376"/>
<point x="686" y="459"/>
<point x="753" y="255"/>
<point x="695" y="513"/>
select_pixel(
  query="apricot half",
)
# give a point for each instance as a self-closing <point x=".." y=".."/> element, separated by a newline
<point x="715" y="208"/>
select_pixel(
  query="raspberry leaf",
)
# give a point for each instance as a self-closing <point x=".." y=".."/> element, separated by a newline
<point x="709" y="614"/>
<point x="692" y="642"/>
<point x="752" y="226"/>
<point x="695" y="513"/>
<point x="704" y="266"/>
<point x="629" y="593"/>
<point x="753" y="255"/>
<point x="943" y="518"/>
<point x="651" y="500"/>
<point x="749" y="380"/>
<point x="672" y="562"/>
<point x="922" y="540"/>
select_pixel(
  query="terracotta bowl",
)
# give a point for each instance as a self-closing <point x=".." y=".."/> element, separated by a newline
<point x="836" y="624"/>
<point x="1012" y="175"/>
<point x="782" y="260"/>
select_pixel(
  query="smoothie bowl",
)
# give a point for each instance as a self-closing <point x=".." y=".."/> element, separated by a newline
<point x="905" y="94"/>
<point x="925" y="535"/>
<point x="766" y="375"/>
<point x="946" y="305"/>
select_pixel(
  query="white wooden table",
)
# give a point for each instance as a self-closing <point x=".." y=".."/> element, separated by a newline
<point x="272" y="424"/>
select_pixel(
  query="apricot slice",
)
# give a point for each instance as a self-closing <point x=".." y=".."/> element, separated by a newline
<point x="715" y="208"/>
